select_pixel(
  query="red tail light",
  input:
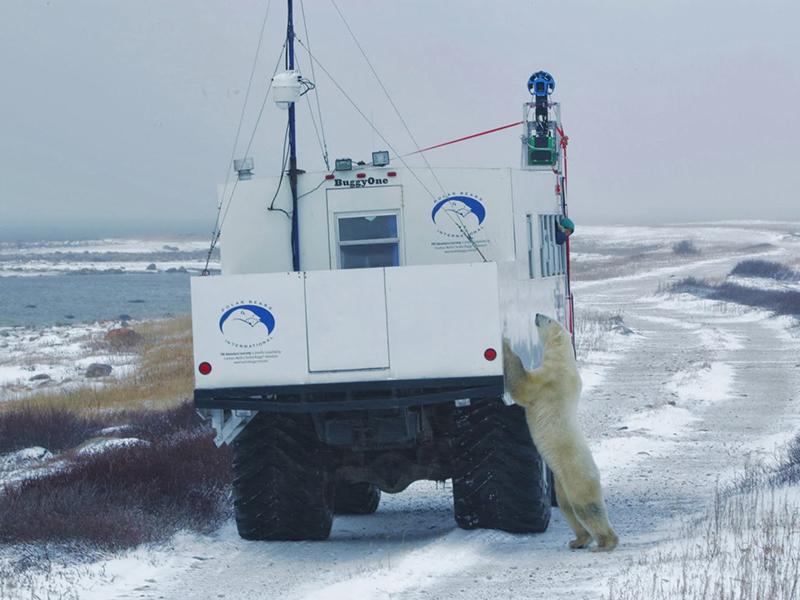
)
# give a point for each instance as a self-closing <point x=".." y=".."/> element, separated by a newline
<point x="490" y="354"/>
<point x="361" y="175"/>
<point x="204" y="368"/>
<point x="330" y="176"/>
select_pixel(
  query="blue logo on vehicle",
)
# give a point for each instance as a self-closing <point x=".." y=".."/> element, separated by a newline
<point x="247" y="324"/>
<point x="458" y="214"/>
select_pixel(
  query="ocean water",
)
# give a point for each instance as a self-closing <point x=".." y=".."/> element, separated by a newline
<point x="59" y="299"/>
<point x="54" y="283"/>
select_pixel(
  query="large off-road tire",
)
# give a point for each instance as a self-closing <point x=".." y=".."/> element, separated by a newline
<point x="356" y="498"/>
<point x="282" y="489"/>
<point x="500" y="480"/>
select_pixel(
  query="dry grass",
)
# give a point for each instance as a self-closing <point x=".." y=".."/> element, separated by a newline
<point x="746" y="546"/>
<point x="163" y="380"/>
<point x="594" y="330"/>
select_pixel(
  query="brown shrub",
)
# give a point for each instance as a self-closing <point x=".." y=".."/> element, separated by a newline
<point x="123" y="338"/>
<point x="124" y="496"/>
<point x="53" y="428"/>
<point x="58" y="429"/>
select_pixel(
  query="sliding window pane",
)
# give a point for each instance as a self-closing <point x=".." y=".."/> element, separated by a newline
<point x="367" y="228"/>
<point x="363" y="256"/>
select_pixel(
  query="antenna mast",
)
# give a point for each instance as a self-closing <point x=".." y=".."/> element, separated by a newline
<point x="292" y="143"/>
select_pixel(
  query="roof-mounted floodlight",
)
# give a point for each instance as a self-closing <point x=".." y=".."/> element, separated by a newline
<point x="244" y="168"/>
<point x="343" y="164"/>
<point x="380" y="158"/>
<point x="287" y="87"/>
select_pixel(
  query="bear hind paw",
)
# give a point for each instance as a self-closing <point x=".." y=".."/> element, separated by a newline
<point x="580" y="542"/>
<point x="606" y="543"/>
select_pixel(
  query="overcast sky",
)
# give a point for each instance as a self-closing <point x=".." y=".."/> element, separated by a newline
<point x="118" y="116"/>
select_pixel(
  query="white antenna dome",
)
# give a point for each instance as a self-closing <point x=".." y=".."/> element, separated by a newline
<point x="286" y="88"/>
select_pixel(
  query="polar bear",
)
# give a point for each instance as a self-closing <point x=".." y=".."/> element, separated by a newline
<point x="550" y="395"/>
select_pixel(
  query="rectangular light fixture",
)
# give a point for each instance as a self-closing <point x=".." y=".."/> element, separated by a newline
<point x="380" y="158"/>
<point x="344" y="164"/>
<point x="244" y="168"/>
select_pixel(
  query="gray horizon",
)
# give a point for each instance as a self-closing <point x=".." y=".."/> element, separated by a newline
<point x="118" y="117"/>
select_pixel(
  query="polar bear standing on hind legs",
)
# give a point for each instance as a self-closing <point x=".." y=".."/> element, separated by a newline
<point x="550" y="395"/>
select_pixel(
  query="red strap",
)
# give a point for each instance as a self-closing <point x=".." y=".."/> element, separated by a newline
<point x="564" y="141"/>
<point x="564" y="138"/>
<point x="467" y="137"/>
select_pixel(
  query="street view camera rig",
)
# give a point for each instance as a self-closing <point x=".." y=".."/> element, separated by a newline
<point x="539" y="142"/>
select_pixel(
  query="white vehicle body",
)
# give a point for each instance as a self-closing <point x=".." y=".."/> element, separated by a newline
<point x="353" y="342"/>
<point x="471" y="263"/>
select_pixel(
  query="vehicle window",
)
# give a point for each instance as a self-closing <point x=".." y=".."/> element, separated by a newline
<point x="552" y="255"/>
<point x="531" y="249"/>
<point x="368" y="240"/>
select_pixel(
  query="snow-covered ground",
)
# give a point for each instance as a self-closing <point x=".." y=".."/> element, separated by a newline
<point x="672" y="410"/>
<point x="56" y="357"/>
<point x="98" y="256"/>
<point x="138" y="246"/>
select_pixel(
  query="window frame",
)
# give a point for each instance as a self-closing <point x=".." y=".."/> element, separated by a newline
<point x="368" y="241"/>
<point x="531" y="245"/>
<point x="552" y="256"/>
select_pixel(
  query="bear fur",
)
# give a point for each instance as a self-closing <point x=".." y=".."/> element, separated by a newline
<point x="550" y="395"/>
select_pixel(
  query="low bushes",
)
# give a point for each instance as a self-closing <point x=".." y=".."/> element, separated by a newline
<point x="685" y="248"/>
<point x="124" y="496"/>
<point x="55" y="429"/>
<point x="766" y="269"/>
<point x="59" y="429"/>
<point x="780" y="302"/>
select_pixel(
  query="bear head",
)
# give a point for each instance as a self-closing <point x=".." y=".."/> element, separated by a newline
<point x="551" y="332"/>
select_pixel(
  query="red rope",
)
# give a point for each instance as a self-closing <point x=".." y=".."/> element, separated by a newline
<point x="462" y="139"/>
<point x="564" y="143"/>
